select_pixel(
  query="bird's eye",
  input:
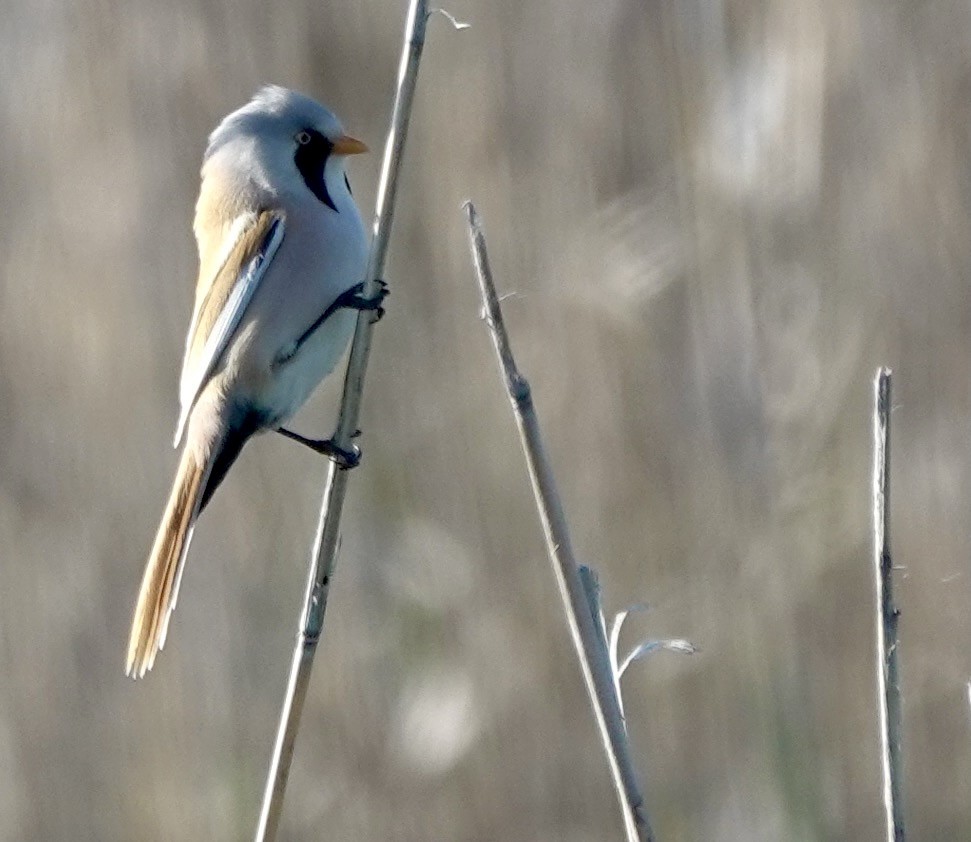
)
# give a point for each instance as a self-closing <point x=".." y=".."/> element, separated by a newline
<point x="303" y="138"/>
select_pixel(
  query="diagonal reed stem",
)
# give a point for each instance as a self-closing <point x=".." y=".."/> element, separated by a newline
<point x="888" y="678"/>
<point x="587" y="637"/>
<point x="324" y="552"/>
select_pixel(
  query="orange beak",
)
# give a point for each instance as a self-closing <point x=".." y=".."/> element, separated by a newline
<point x="347" y="145"/>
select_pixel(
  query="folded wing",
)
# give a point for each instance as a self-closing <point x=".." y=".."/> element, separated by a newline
<point x="251" y="242"/>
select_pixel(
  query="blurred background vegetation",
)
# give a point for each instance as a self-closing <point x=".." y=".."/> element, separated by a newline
<point x="718" y="216"/>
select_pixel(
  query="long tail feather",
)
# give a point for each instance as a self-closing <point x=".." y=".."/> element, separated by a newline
<point x="160" y="583"/>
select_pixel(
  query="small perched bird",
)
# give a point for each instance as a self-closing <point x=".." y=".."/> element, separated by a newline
<point x="282" y="257"/>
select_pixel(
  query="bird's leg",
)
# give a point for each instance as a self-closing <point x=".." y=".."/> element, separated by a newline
<point x="354" y="299"/>
<point x="344" y="458"/>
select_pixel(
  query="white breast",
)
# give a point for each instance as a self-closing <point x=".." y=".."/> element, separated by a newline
<point x="323" y="254"/>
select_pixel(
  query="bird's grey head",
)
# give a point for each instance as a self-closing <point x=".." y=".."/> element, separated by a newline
<point x="282" y="138"/>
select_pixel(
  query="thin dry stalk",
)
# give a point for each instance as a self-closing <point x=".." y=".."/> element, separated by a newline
<point x="888" y="679"/>
<point x="324" y="552"/>
<point x="588" y="639"/>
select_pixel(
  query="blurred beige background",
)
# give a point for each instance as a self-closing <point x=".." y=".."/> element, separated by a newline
<point x="718" y="217"/>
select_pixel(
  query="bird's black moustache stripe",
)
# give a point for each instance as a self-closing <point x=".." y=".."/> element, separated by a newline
<point x="311" y="158"/>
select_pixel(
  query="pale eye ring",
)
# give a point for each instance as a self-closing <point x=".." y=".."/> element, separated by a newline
<point x="302" y="137"/>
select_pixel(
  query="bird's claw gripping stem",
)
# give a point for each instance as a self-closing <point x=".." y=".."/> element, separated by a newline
<point x="354" y="299"/>
<point x="345" y="459"/>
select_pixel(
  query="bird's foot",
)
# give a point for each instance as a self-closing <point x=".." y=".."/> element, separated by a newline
<point x="354" y="299"/>
<point x="345" y="459"/>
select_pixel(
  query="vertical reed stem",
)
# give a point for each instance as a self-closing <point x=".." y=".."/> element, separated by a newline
<point x="888" y="679"/>
<point x="588" y="639"/>
<point x="324" y="552"/>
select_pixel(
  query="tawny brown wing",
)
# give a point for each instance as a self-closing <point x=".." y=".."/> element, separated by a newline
<point x="223" y="301"/>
